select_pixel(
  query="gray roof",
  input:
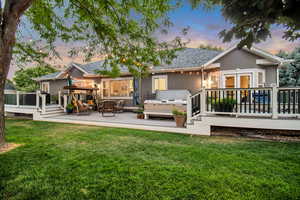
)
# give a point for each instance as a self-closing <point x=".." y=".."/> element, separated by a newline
<point x="48" y="76"/>
<point x="186" y="58"/>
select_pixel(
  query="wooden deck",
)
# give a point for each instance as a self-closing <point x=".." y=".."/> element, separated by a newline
<point x="122" y="120"/>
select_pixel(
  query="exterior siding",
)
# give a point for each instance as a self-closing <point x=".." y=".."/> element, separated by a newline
<point x="238" y="59"/>
<point x="184" y="82"/>
<point x="271" y="75"/>
<point x="244" y="60"/>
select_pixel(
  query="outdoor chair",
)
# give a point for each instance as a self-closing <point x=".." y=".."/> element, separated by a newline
<point x="107" y="107"/>
<point x="80" y="107"/>
<point x="120" y="106"/>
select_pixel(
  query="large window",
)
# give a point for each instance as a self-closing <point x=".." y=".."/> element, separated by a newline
<point x="159" y="83"/>
<point x="117" y="88"/>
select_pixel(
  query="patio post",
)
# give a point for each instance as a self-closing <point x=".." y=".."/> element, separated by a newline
<point x="274" y="102"/>
<point x="203" y="101"/>
<point x="37" y="99"/>
<point x="59" y="97"/>
<point x="43" y="103"/>
<point x="189" y="109"/>
<point x="18" y="98"/>
<point x="65" y="102"/>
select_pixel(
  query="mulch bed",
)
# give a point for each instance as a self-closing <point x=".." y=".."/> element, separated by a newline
<point x="8" y="147"/>
<point x="264" y="134"/>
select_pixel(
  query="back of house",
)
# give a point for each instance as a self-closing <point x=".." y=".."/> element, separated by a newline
<point x="192" y="69"/>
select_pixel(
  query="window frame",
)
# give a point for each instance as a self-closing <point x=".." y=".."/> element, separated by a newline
<point x="48" y="86"/>
<point x="109" y="88"/>
<point x="159" y="77"/>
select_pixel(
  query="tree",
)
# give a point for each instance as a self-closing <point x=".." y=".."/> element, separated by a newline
<point x="24" y="77"/>
<point x="289" y="74"/>
<point x="123" y="30"/>
<point x="252" y="19"/>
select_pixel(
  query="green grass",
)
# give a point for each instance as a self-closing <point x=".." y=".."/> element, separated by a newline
<point x="63" y="161"/>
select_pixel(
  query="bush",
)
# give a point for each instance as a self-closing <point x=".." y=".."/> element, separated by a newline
<point x="70" y="106"/>
<point x="176" y="112"/>
<point x="223" y="105"/>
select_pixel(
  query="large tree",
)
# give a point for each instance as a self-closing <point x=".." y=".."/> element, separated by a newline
<point x="121" y="29"/>
<point x="252" y="20"/>
<point x="289" y="74"/>
<point x="23" y="78"/>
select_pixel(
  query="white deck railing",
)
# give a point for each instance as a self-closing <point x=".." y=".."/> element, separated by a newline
<point x="32" y="100"/>
<point x="259" y="102"/>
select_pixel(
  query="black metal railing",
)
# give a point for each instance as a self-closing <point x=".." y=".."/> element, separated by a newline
<point x="288" y="101"/>
<point x="239" y="100"/>
<point x="196" y="104"/>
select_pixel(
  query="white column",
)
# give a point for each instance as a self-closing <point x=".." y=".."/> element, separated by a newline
<point x="189" y="109"/>
<point x="18" y="98"/>
<point x="203" y="101"/>
<point x="65" y="102"/>
<point x="43" y="103"/>
<point x="274" y="102"/>
<point x="37" y="99"/>
<point x="59" y="98"/>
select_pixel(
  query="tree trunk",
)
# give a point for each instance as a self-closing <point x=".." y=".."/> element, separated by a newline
<point x="2" y="123"/>
<point x="10" y="17"/>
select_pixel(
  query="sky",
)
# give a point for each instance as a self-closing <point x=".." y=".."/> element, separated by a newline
<point x="204" y="26"/>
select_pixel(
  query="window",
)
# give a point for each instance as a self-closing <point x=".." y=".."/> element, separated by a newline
<point x="230" y="82"/>
<point x="45" y="87"/>
<point x="260" y="79"/>
<point x="159" y="83"/>
<point x="245" y="81"/>
<point x="117" y="88"/>
<point x="83" y="83"/>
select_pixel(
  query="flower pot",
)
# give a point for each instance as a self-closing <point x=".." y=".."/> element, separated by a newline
<point x="180" y="120"/>
<point x="140" y="116"/>
<point x="69" y="111"/>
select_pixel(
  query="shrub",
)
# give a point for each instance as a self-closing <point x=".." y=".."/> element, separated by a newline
<point x="176" y="112"/>
<point x="223" y="105"/>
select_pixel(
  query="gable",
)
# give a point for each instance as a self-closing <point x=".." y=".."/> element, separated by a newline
<point x="239" y="58"/>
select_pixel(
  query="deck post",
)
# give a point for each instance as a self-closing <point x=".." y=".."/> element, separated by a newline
<point x="43" y="103"/>
<point x="65" y="103"/>
<point x="37" y="99"/>
<point x="189" y="109"/>
<point x="59" y="97"/>
<point x="274" y="102"/>
<point x="203" y="101"/>
<point x="18" y="98"/>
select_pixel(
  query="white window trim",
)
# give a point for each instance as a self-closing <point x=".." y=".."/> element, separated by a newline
<point x="253" y="74"/>
<point x="114" y="79"/>
<point x="159" y="76"/>
<point x="45" y="83"/>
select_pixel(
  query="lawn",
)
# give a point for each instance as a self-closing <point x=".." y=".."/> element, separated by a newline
<point x="63" y="161"/>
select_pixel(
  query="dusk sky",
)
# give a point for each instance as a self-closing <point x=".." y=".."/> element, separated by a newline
<point x="204" y="28"/>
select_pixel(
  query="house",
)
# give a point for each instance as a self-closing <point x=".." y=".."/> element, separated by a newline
<point x="191" y="69"/>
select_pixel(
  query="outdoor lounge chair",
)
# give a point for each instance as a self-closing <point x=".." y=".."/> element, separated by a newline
<point x="80" y="107"/>
<point x="107" y="107"/>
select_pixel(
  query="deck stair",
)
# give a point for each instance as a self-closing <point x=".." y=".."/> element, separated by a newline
<point x="52" y="110"/>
